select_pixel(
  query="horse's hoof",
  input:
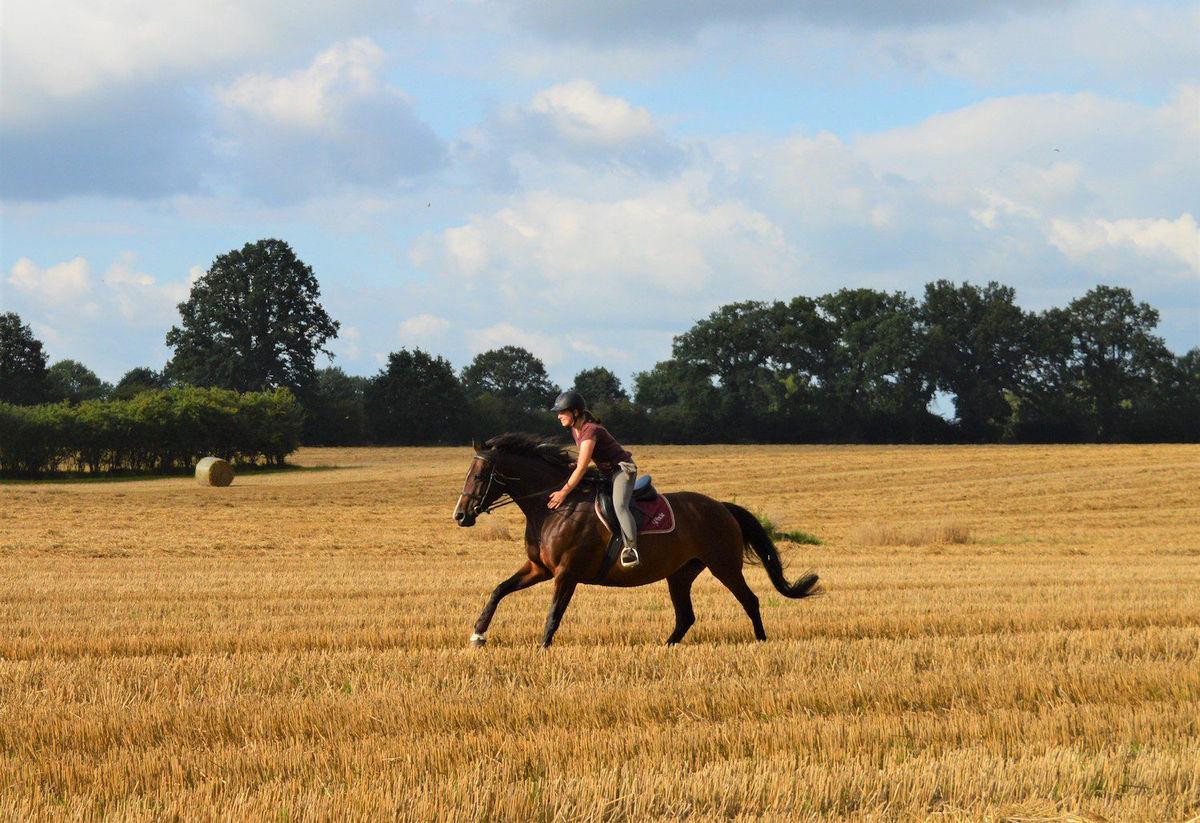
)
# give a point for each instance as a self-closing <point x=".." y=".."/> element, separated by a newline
<point x="478" y="641"/>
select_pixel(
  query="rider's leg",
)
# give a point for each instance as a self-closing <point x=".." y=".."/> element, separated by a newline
<point x="622" y="497"/>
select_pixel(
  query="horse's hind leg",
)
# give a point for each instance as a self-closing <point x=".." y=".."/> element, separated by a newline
<point x="736" y="583"/>
<point x="680" y="584"/>
<point x="564" y="587"/>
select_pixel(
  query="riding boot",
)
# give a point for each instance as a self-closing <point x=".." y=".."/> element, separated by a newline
<point x="629" y="554"/>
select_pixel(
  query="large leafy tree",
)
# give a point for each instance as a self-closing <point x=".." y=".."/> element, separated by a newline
<point x="416" y="399"/>
<point x="977" y="348"/>
<point x="1115" y="354"/>
<point x="680" y="403"/>
<point x="511" y="373"/>
<point x="1096" y="369"/>
<point x="72" y="381"/>
<point x="734" y="344"/>
<point x="873" y="383"/>
<point x="252" y="322"/>
<point x="508" y="389"/>
<point x="22" y="362"/>
<point x="599" y="386"/>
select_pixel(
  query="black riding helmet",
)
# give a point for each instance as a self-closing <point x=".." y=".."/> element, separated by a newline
<point x="569" y="401"/>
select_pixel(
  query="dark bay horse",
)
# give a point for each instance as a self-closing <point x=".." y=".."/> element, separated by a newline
<point x="568" y="544"/>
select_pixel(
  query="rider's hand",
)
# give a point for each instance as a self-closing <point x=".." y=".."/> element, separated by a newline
<point x="556" y="499"/>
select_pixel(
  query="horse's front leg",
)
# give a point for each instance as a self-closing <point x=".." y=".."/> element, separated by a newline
<point x="526" y="576"/>
<point x="564" y="587"/>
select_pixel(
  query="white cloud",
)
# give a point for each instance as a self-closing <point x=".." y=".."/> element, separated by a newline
<point x="311" y="98"/>
<point x="57" y="51"/>
<point x="579" y="111"/>
<point x="1050" y="153"/>
<point x="61" y="283"/>
<point x="68" y="288"/>
<point x="589" y="257"/>
<point x="422" y="327"/>
<point x="547" y="348"/>
<point x="1083" y="239"/>
<point x="334" y="124"/>
<point x="112" y="322"/>
<point x="568" y="124"/>
<point x="122" y="272"/>
<point x="602" y="354"/>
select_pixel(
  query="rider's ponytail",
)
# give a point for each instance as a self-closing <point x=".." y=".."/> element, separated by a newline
<point x="588" y="417"/>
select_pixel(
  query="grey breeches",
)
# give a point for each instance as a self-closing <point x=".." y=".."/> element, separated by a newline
<point x="622" y="496"/>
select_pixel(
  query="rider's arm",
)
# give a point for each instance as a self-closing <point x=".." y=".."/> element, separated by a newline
<point x="585" y="456"/>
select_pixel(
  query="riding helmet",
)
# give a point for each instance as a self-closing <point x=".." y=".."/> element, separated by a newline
<point x="569" y="401"/>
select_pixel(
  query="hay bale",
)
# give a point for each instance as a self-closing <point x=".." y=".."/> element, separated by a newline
<point x="213" y="471"/>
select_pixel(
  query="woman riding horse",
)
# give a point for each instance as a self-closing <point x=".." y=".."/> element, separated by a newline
<point x="567" y="543"/>
<point x="613" y="460"/>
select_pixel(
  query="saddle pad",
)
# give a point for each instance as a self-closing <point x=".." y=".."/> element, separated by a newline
<point x="657" y="515"/>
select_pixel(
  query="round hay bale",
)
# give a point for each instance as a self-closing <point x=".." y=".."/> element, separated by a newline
<point x="213" y="471"/>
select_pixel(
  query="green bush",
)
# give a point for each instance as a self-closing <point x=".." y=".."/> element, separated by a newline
<point x="778" y="536"/>
<point x="154" y="431"/>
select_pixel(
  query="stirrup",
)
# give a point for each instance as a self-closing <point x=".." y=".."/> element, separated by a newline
<point x="629" y="556"/>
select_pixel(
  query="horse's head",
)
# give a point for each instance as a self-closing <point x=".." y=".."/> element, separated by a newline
<point x="514" y="464"/>
<point x="481" y="489"/>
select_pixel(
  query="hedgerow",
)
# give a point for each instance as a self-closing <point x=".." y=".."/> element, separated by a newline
<point x="154" y="431"/>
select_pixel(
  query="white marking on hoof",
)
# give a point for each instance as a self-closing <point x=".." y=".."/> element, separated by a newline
<point x="478" y="639"/>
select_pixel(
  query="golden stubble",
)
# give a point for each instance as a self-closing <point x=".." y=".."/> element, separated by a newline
<point x="1009" y="633"/>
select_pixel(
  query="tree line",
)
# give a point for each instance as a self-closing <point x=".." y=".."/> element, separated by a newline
<point x="855" y="365"/>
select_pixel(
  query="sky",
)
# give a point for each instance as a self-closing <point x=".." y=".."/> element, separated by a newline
<point x="587" y="180"/>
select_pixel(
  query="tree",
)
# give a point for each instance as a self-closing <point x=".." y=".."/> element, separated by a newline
<point x="22" y="363"/>
<point x="512" y="373"/>
<point x="1047" y="404"/>
<point x="138" y="380"/>
<point x="734" y="344"/>
<point x="252" y="322"/>
<point x="680" y="403"/>
<point x="1170" y="411"/>
<point x="72" y="381"/>
<point x="508" y="389"/>
<point x="977" y="347"/>
<point x="1114" y="354"/>
<point x="599" y="386"/>
<point x="416" y="399"/>
<point x="336" y="414"/>
<point x="873" y="384"/>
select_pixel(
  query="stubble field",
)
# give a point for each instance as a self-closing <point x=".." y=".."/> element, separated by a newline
<point x="295" y="647"/>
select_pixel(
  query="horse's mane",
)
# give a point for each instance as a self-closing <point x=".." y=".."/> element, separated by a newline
<point x="530" y="445"/>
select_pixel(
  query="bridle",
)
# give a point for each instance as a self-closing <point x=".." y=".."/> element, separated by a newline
<point x="496" y="478"/>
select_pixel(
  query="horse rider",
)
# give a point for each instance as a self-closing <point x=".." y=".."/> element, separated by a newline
<point x="614" y="461"/>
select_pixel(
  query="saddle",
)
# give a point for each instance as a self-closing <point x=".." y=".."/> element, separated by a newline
<point x="652" y="514"/>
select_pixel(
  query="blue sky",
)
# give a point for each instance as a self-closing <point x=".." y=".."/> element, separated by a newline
<point x="587" y="180"/>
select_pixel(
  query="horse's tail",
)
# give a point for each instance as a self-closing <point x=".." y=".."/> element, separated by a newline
<point x="758" y="542"/>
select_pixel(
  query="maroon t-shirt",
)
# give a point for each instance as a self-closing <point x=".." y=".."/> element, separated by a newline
<point x="608" y="452"/>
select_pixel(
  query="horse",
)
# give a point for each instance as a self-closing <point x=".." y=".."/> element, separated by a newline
<point x="567" y="544"/>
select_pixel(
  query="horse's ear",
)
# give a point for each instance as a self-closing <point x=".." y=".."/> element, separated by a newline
<point x="475" y="444"/>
